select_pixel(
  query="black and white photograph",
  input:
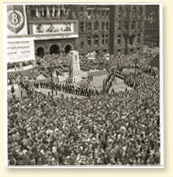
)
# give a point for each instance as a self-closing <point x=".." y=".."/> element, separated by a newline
<point x="84" y="85"/>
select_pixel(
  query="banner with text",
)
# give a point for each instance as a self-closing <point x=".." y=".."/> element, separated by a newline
<point x="20" y="49"/>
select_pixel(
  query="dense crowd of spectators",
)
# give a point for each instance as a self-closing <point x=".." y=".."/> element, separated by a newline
<point x="101" y="130"/>
<point x="141" y="80"/>
<point x="122" y="128"/>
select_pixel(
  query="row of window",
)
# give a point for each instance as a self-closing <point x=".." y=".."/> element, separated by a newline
<point x="104" y="41"/>
<point x="130" y="41"/>
<point x="53" y="11"/>
<point x="88" y="26"/>
<point x="134" y="11"/>
<point x="97" y="12"/>
<point x="133" y="25"/>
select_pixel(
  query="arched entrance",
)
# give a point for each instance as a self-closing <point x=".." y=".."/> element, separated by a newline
<point x="67" y="49"/>
<point x="54" y="49"/>
<point x="40" y="52"/>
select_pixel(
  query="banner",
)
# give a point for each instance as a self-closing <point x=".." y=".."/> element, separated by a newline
<point x="16" y="20"/>
<point x="20" y="49"/>
<point x="53" y="28"/>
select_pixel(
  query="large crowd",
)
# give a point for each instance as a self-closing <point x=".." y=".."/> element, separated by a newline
<point x="121" y="128"/>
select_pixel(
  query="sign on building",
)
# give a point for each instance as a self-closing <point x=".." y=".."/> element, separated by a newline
<point x="20" y="49"/>
<point x="51" y="28"/>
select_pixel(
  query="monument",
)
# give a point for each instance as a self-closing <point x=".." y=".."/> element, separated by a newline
<point x="74" y="67"/>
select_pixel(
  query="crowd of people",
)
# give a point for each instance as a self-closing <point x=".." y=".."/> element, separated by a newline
<point x="123" y="129"/>
<point x="141" y="80"/>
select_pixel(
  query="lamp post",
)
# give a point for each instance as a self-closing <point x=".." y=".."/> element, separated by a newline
<point x="135" y="61"/>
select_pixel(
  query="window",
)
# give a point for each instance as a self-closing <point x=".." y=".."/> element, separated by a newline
<point x="103" y="25"/>
<point x="103" y="41"/>
<point x="51" y="10"/>
<point x="125" y="12"/>
<point x="119" y="42"/>
<point x="119" y="25"/>
<point x="133" y="12"/>
<point x="107" y="13"/>
<point x="82" y="26"/>
<point x="96" y="25"/>
<point x="103" y="12"/>
<point x="96" y="40"/>
<point x="95" y="12"/>
<point x="106" y="41"/>
<point x="107" y="25"/>
<point x="89" y="26"/>
<point x="98" y="12"/>
<point x="89" y="41"/>
<point x="140" y="11"/>
<point x="33" y="13"/>
<point x="119" y="39"/>
<point x="82" y="45"/>
<point x="138" y="40"/>
<point x="131" y="41"/>
<point x="120" y="11"/>
<point x="126" y="27"/>
<point x="133" y="25"/>
<point x="81" y="11"/>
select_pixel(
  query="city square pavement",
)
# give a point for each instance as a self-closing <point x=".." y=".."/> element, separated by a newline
<point x="97" y="82"/>
<point x="118" y="86"/>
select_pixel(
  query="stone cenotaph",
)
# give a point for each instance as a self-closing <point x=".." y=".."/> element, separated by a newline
<point x="74" y="67"/>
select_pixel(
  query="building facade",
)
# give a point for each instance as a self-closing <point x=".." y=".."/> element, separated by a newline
<point x="152" y="26"/>
<point x="127" y="29"/>
<point x="113" y="29"/>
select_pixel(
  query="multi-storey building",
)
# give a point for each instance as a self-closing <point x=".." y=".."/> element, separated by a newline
<point x="110" y="29"/>
<point x="152" y="26"/>
<point x="127" y="28"/>
<point x="92" y="23"/>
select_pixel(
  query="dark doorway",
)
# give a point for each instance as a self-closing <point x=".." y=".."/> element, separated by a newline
<point x="40" y="52"/>
<point x="67" y="49"/>
<point x="54" y="49"/>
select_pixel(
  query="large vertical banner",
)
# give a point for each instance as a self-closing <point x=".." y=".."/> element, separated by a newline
<point x="16" y="20"/>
